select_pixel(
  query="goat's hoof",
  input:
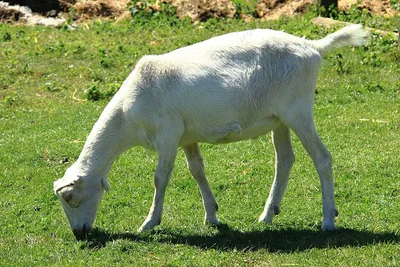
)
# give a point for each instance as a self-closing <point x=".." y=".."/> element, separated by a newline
<point x="265" y="221"/>
<point x="328" y="226"/>
<point x="264" y="218"/>
<point x="268" y="214"/>
<point x="211" y="220"/>
<point x="148" y="225"/>
<point x="328" y="222"/>
<point x="328" y="229"/>
<point x="143" y="229"/>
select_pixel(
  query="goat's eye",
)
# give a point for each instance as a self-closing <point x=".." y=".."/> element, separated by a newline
<point x="68" y="198"/>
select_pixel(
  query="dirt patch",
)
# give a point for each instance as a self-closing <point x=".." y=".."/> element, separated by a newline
<point x="378" y="7"/>
<point x="87" y="9"/>
<point x="273" y="9"/>
<point x="65" y="5"/>
<point x="9" y="15"/>
<point x="200" y="10"/>
<point x="197" y="10"/>
<point x="203" y="10"/>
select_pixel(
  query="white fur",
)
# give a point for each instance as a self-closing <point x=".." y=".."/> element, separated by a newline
<point x="229" y="88"/>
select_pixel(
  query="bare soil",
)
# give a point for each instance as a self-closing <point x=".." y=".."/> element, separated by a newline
<point x="273" y="9"/>
<point x="199" y="10"/>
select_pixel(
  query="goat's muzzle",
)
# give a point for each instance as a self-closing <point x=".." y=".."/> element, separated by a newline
<point x="81" y="232"/>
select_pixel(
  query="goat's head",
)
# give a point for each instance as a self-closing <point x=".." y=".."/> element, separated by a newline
<point x="80" y="197"/>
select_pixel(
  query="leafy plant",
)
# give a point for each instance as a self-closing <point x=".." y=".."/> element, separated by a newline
<point x="357" y="14"/>
<point x="143" y="12"/>
<point x="12" y="99"/>
<point x="51" y="87"/>
<point x="94" y="93"/>
<point x="340" y="64"/>
<point x="379" y="47"/>
<point x="375" y="87"/>
<point x="6" y="36"/>
<point x="246" y="7"/>
<point x="395" y="4"/>
<point x="331" y="12"/>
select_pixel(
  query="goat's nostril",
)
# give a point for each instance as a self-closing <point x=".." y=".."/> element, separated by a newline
<point x="80" y="233"/>
<point x="85" y="229"/>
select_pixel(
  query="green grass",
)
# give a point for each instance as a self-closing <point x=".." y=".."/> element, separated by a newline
<point x="42" y="129"/>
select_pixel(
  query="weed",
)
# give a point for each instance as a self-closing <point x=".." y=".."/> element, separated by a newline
<point x="357" y="14"/>
<point x="374" y="87"/>
<point x="245" y="7"/>
<point x="154" y="12"/>
<point x="13" y="99"/>
<point x="51" y="87"/>
<point x="6" y="37"/>
<point x="94" y="93"/>
<point x="340" y="64"/>
<point x="106" y="63"/>
<point x="331" y="12"/>
<point x="72" y="14"/>
<point x="55" y="47"/>
<point x="26" y="69"/>
<point x="394" y="4"/>
<point x="379" y="47"/>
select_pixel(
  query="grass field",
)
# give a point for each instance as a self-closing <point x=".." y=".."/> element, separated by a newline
<point x="42" y="130"/>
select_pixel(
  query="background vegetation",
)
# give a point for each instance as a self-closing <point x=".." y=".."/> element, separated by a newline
<point x="54" y="83"/>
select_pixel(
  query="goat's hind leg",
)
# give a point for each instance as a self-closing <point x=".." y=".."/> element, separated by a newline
<point x="303" y="126"/>
<point x="196" y="167"/>
<point x="284" y="159"/>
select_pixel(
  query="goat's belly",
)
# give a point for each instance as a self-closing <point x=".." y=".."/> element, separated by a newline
<point x="231" y="132"/>
<point x="256" y="130"/>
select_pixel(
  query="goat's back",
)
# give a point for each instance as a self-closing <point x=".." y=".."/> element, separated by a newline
<point x="233" y="69"/>
<point x="225" y="89"/>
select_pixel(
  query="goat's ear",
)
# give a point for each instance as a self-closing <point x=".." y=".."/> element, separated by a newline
<point x="61" y="183"/>
<point x="105" y="184"/>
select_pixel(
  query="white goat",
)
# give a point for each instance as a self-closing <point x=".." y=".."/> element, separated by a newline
<point x="226" y="89"/>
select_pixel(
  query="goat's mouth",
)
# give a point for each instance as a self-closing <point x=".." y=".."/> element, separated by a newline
<point x="81" y="232"/>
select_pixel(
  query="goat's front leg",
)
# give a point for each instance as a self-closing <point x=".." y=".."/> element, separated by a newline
<point x="284" y="159"/>
<point x="196" y="167"/>
<point x="166" y="159"/>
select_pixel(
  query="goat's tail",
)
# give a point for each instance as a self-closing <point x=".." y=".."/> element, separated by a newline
<point x="351" y="35"/>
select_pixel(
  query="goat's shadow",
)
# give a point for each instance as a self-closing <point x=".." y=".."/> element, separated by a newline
<point x="226" y="239"/>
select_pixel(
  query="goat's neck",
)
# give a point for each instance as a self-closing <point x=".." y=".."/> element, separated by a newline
<point x="104" y="143"/>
